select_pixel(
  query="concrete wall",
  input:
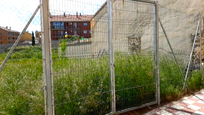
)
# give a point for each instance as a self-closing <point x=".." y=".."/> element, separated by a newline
<point x="78" y="50"/>
<point x="132" y="19"/>
<point x="55" y="43"/>
<point x="3" y="47"/>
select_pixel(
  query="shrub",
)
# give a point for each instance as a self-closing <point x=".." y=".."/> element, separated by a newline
<point x="195" y="82"/>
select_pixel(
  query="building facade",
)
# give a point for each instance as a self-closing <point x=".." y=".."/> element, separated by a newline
<point x="26" y="37"/>
<point x="7" y="35"/>
<point x="75" y="25"/>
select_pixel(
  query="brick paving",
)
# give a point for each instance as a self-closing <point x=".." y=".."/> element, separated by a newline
<point x="189" y="105"/>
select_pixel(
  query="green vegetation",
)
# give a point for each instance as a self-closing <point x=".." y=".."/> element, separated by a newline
<point x="21" y="81"/>
<point x="63" y="45"/>
<point x="82" y="85"/>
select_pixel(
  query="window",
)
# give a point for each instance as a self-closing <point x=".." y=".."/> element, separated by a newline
<point x="90" y="31"/>
<point x="70" y="23"/>
<point x="85" y="24"/>
<point x="59" y="33"/>
<point x="75" y="32"/>
<point x="75" y="25"/>
<point x="9" y="33"/>
<point x="58" y="25"/>
<point x="85" y="31"/>
<point x="67" y="27"/>
<point x="62" y="33"/>
<point x="13" y="38"/>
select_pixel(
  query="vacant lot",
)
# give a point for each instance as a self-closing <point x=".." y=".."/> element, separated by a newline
<point x="82" y="85"/>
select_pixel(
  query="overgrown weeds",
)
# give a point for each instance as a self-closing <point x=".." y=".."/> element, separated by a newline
<point x="82" y="85"/>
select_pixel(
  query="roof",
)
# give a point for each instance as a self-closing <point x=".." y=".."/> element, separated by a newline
<point x="6" y="29"/>
<point x="70" y="18"/>
<point x="100" y="9"/>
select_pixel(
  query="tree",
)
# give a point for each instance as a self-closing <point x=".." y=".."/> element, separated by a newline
<point x="33" y="39"/>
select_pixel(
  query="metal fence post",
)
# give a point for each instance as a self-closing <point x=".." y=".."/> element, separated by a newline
<point x="111" y="55"/>
<point x="47" y="59"/>
<point x="191" y="54"/>
<point x="156" y="52"/>
<point x="200" y="43"/>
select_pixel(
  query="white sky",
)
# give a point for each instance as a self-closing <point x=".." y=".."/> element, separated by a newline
<point x="16" y="13"/>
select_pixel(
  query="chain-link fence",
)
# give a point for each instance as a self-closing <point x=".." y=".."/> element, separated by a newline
<point x="21" y="77"/>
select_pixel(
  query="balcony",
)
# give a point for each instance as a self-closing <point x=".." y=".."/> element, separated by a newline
<point x="58" y="28"/>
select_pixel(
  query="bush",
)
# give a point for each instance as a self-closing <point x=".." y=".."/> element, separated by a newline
<point x="195" y="82"/>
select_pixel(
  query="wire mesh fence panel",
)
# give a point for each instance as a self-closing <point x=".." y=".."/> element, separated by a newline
<point x="133" y="44"/>
<point x="80" y="60"/>
<point x="21" y="78"/>
<point x="180" y="29"/>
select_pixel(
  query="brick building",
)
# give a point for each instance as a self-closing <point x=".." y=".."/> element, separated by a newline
<point x="75" y="25"/>
<point x="7" y="35"/>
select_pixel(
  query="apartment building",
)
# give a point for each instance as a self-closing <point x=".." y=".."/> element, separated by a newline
<point x="75" y="25"/>
<point x="7" y="35"/>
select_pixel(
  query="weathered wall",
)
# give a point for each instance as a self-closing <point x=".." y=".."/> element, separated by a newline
<point x="78" y="50"/>
<point x="133" y="19"/>
<point x="99" y="30"/>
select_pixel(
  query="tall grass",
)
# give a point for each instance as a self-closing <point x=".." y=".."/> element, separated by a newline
<point x="20" y="92"/>
<point x="21" y="82"/>
<point x="82" y="86"/>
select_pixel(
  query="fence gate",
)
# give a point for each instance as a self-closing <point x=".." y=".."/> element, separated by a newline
<point x="81" y="62"/>
<point x="135" y="47"/>
<point x="106" y="60"/>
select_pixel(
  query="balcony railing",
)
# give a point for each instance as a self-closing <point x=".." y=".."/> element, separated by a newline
<point x="58" y="27"/>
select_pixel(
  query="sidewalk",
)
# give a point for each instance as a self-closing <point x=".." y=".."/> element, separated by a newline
<point x="186" y="106"/>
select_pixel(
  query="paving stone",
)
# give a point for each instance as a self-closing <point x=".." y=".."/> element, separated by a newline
<point x="177" y="106"/>
<point x="198" y="113"/>
<point x="201" y="110"/>
<point x="193" y="107"/>
<point x="189" y="102"/>
<point x="200" y="101"/>
<point x="190" y="105"/>
<point x="181" y="113"/>
<point x="199" y="104"/>
<point x="163" y="112"/>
